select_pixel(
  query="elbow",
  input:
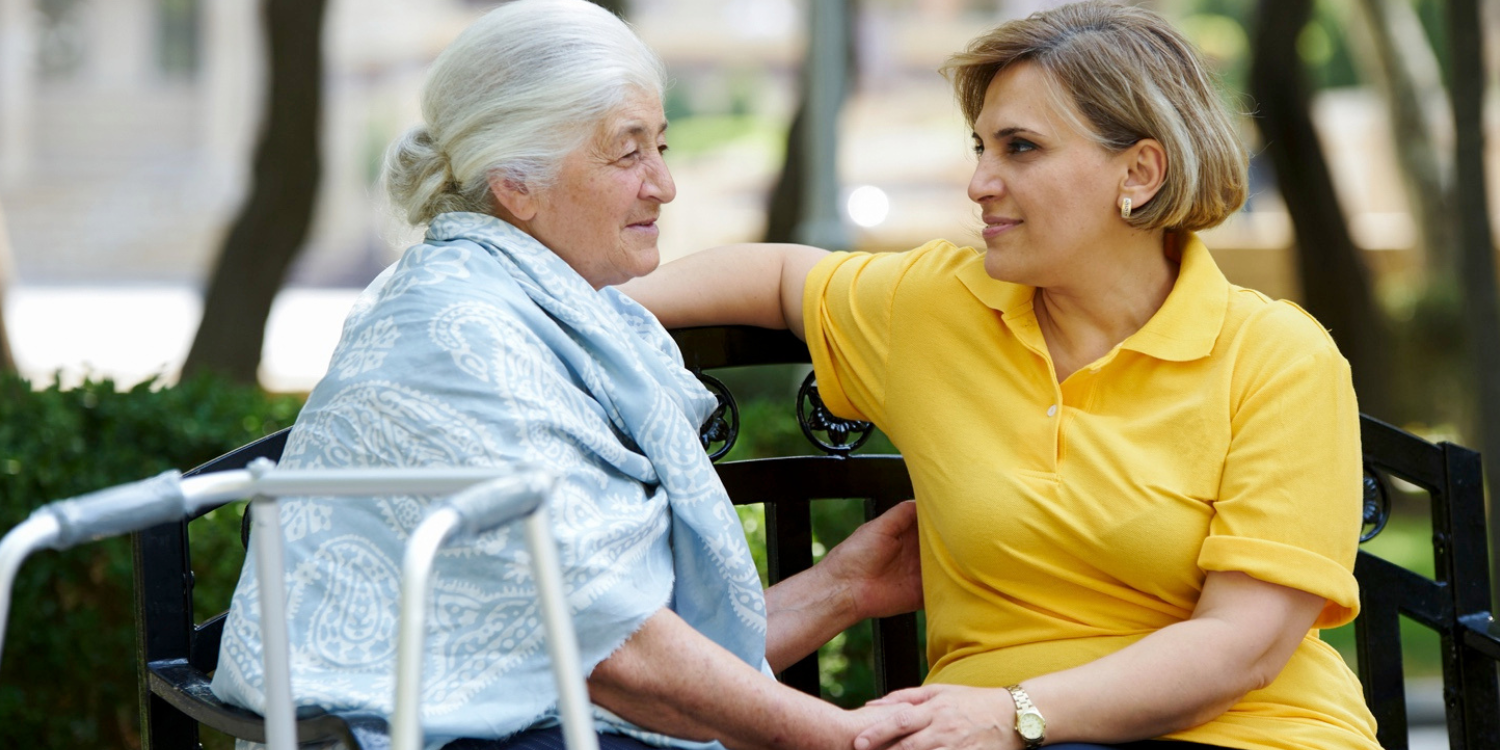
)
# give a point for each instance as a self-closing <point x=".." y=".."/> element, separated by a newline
<point x="1239" y="680"/>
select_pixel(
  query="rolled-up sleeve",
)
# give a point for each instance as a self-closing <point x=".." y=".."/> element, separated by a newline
<point x="1289" y="505"/>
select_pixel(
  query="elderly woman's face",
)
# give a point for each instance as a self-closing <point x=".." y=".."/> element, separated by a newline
<point x="600" y="215"/>
<point x="1047" y="192"/>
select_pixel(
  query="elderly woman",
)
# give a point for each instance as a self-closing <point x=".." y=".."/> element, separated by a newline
<point x="1137" y="484"/>
<point x="539" y="177"/>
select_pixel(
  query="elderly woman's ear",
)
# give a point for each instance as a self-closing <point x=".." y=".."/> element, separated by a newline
<point x="1145" y="165"/>
<point x="513" y="200"/>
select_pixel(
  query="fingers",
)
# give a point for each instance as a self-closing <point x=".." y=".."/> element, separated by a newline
<point x="913" y="696"/>
<point x="901" y="517"/>
<point x="901" y="723"/>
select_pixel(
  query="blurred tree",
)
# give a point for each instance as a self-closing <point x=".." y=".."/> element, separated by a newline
<point x="620" y="8"/>
<point x="1476" y="256"/>
<point x="1335" y="282"/>
<point x="273" y="223"/>
<point x="785" y="212"/>
<point x="1400" y="58"/>
<point x="7" y="361"/>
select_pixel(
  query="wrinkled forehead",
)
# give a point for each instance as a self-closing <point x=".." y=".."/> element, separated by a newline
<point x="639" y="115"/>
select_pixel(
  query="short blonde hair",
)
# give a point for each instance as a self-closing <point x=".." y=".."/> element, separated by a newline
<point x="1131" y="76"/>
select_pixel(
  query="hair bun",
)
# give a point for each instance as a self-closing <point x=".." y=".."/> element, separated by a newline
<point x="419" y="177"/>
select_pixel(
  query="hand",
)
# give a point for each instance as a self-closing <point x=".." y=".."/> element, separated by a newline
<point x="856" y="721"/>
<point x="946" y="716"/>
<point x="879" y="566"/>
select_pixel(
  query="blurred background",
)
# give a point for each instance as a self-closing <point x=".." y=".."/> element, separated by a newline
<point x="163" y="157"/>
<point x="128" y="127"/>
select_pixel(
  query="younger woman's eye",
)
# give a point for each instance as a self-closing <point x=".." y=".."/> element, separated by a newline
<point x="978" y="146"/>
<point x="1020" y="146"/>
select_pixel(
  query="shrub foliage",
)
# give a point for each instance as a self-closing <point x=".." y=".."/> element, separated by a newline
<point x="67" y="678"/>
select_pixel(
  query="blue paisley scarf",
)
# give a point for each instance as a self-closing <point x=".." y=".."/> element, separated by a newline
<point x="481" y="347"/>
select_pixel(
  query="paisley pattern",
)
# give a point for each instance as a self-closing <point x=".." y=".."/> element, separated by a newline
<point x="481" y="347"/>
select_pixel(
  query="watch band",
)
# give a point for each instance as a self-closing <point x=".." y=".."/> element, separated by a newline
<point x="1030" y="724"/>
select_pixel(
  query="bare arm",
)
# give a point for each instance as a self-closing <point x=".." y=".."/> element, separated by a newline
<point x="749" y="284"/>
<point x="1241" y="635"/>
<point x="669" y="678"/>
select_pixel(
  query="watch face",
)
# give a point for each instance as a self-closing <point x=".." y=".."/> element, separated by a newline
<point x="1031" y="726"/>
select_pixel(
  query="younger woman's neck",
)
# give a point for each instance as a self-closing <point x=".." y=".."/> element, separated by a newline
<point x="1109" y="301"/>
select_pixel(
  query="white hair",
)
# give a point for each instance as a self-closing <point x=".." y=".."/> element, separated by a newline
<point x="512" y="96"/>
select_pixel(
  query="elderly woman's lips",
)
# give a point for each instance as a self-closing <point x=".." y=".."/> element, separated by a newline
<point x="644" y="226"/>
<point x="996" y="227"/>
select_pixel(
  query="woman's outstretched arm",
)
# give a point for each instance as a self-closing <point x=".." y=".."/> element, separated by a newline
<point x="748" y="284"/>
<point x="1241" y="635"/>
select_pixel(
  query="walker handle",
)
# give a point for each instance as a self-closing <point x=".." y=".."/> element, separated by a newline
<point x="497" y="502"/>
<point x="117" y="510"/>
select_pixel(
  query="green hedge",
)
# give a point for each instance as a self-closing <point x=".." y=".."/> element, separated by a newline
<point x="67" y="678"/>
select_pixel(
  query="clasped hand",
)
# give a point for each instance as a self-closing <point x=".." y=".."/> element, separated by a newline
<point x="942" y="716"/>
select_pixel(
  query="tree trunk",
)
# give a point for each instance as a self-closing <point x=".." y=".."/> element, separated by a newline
<point x="1476" y="246"/>
<point x="784" y="213"/>
<point x="1335" y="282"/>
<point x="1403" y="61"/>
<point x="617" y="7"/>
<point x="7" y="360"/>
<point x="274" y="221"/>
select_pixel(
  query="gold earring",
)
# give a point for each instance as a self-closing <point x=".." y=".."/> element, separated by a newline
<point x="1125" y="208"/>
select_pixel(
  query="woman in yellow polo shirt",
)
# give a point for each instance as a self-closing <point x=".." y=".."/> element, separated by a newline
<point x="1138" y="486"/>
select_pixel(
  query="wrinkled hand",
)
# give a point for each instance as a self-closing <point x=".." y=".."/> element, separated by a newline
<point x="880" y="564"/>
<point x="859" y="720"/>
<point x="946" y="716"/>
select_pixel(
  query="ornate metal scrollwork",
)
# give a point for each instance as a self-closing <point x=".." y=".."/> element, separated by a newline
<point x="1377" y="505"/>
<point x="814" y="417"/>
<point x="723" y="426"/>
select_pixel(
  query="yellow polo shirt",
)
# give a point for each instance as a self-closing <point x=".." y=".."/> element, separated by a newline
<point x="1062" y="522"/>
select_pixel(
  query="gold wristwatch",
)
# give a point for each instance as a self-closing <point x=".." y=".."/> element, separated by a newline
<point x="1029" y="722"/>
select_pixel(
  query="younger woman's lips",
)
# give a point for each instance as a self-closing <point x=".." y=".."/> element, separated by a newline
<point x="995" y="229"/>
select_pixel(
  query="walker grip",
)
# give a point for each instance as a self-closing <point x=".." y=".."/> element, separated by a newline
<point x="117" y="510"/>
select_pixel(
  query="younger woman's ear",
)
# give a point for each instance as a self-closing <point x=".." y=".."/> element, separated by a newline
<point x="513" y="198"/>
<point x="1145" y="171"/>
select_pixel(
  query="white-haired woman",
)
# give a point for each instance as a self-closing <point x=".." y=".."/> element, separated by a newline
<point x="1138" y="485"/>
<point x="539" y="176"/>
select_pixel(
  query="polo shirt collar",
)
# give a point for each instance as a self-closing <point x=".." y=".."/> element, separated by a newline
<point x="1184" y="329"/>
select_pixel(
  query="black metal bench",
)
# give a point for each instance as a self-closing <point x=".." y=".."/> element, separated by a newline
<point x="175" y="655"/>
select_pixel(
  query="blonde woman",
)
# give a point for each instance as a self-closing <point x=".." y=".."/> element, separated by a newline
<point x="1138" y="485"/>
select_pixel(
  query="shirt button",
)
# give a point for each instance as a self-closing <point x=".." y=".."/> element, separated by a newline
<point x="1052" y="410"/>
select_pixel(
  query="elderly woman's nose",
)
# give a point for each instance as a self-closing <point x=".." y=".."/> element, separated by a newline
<point x="658" y="185"/>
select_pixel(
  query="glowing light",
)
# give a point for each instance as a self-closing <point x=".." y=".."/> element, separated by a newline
<point x="868" y="206"/>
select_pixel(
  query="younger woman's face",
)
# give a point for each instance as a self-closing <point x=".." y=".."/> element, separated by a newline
<point x="1048" y="194"/>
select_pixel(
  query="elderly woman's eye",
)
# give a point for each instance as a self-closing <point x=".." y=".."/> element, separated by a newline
<point x="662" y="149"/>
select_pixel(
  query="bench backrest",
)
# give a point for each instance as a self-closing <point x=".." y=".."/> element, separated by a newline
<point x="1455" y="602"/>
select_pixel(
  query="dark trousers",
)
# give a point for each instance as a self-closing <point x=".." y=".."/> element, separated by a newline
<point x="1142" y="745"/>
<point x="551" y="739"/>
<point x="545" y="739"/>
